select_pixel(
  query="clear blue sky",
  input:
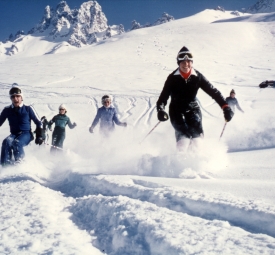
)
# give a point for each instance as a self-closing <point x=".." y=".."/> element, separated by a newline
<point x="25" y="14"/>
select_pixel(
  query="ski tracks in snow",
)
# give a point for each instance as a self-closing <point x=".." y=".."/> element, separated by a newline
<point x="158" y="219"/>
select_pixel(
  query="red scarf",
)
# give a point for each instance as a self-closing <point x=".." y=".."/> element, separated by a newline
<point x="185" y="75"/>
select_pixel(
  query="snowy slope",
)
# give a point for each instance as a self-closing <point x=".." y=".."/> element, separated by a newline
<point x="125" y="197"/>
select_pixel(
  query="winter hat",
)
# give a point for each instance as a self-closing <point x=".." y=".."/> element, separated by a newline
<point x="184" y="54"/>
<point x="232" y="91"/>
<point x="106" y="97"/>
<point x="62" y="106"/>
<point x="15" y="90"/>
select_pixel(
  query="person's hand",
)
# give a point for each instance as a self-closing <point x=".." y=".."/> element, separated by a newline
<point x="39" y="140"/>
<point x="50" y="129"/>
<point x="40" y="136"/>
<point x="124" y="124"/>
<point x="91" y="130"/>
<point x="228" y="113"/>
<point x="162" y="115"/>
<point x="74" y="124"/>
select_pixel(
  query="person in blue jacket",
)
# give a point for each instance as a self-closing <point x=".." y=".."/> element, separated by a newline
<point x="19" y="116"/>
<point x="232" y="101"/>
<point x="108" y="117"/>
<point x="60" y="120"/>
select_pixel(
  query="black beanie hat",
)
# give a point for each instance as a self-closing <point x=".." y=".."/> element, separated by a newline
<point x="232" y="91"/>
<point x="187" y="51"/>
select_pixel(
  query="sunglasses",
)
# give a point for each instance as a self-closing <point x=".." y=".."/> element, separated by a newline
<point x="15" y="96"/>
<point x="107" y="100"/>
<point x="61" y="109"/>
<point x="184" y="55"/>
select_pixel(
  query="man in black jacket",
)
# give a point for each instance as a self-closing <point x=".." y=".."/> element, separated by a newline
<point x="182" y="86"/>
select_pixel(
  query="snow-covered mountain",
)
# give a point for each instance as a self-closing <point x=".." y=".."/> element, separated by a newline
<point x="63" y="26"/>
<point x="262" y="6"/>
<point x="163" y="19"/>
<point x="78" y="27"/>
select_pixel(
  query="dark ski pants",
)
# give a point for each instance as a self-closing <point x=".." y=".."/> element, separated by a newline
<point x="187" y="123"/>
<point x="13" y="145"/>
<point x="58" y="139"/>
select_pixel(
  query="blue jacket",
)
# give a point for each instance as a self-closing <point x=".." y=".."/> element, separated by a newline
<point x="107" y="117"/>
<point x="19" y="118"/>
<point x="232" y="102"/>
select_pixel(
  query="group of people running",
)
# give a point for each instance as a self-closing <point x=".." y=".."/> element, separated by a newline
<point x="185" y="115"/>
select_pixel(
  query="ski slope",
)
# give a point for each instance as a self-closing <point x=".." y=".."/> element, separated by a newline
<point x="120" y="196"/>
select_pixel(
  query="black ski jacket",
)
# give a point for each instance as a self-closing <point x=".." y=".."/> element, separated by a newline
<point x="183" y="92"/>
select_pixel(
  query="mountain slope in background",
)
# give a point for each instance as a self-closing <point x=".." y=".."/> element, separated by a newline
<point x="76" y="27"/>
<point x="262" y="6"/>
<point x="63" y="29"/>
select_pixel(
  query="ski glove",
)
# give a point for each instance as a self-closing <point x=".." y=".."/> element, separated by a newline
<point x="124" y="124"/>
<point x="228" y="113"/>
<point x="74" y="124"/>
<point x="40" y="136"/>
<point x="162" y="115"/>
<point x="91" y="130"/>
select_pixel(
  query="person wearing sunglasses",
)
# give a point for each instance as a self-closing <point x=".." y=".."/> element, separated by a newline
<point x="107" y="116"/>
<point x="60" y="120"/>
<point x="182" y="86"/>
<point x="19" y="116"/>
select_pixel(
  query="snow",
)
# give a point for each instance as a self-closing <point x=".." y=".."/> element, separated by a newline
<point x="124" y="196"/>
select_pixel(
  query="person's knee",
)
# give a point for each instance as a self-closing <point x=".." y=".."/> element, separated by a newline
<point x="16" y="143"/>
<point x="181" y="134"/>
<point x="8" y="141"/>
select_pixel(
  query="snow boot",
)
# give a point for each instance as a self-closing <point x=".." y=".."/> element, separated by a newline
<point x="183" y="144"/>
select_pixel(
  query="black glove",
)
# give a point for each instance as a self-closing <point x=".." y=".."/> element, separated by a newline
<point x="228" y="113"/>
<point x="124" y="124"/>
<point x="91" y="130"/>
<point x="162" y="115"/>
<point x="39" y="140"/>
<point x="40" y="136"/>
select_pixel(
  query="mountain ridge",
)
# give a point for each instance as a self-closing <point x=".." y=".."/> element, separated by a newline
<point x="262" y="6"/>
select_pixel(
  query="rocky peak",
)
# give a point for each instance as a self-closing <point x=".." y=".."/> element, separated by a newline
<point x="262" y="6"/>
<point x="163" y="19"/>
<point x="17" y="35"/>
<point x="79" y="27"/>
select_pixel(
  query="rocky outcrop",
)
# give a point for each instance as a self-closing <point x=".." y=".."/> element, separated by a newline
<point x="79" y="27"/>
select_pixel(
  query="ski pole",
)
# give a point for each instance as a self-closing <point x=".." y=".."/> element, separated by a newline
<point x="223" y="129"/>
<point x="150" y="131"/>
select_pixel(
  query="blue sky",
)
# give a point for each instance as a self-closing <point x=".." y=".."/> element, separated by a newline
<point x="25" y="14"/>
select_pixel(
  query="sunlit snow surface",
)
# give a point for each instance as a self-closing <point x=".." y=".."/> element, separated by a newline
<point x="124" y="196"/>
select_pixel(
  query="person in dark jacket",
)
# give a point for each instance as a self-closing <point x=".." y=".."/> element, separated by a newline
<point x="232" y="101"/>
<point x="182" y="86"/>
<point x="108" y="117"/>
<point x="19" y="116"/>
<point x="60" y="120"/>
